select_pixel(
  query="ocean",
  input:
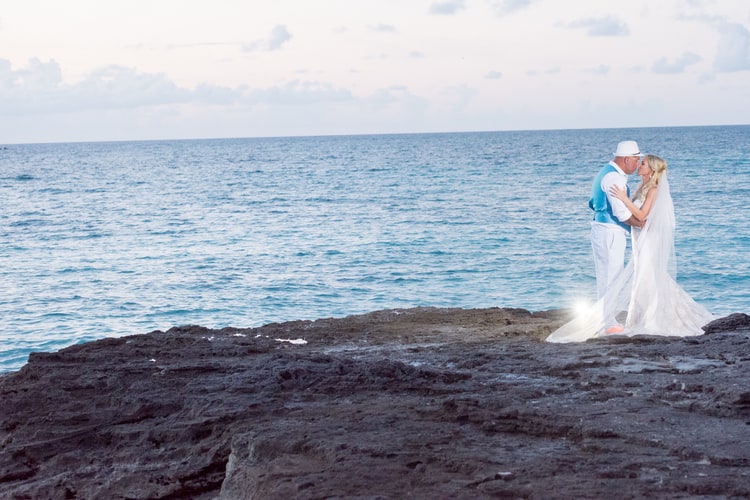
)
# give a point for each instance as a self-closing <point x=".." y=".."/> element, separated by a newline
<point x="119" y="238"/>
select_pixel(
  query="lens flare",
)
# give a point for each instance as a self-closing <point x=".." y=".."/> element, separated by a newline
<point x="582" y="307"/>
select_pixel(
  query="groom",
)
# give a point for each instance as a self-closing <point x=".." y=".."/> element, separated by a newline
<point x="611" y="224"/>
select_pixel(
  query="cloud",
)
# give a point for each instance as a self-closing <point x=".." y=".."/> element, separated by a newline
<point x="390" y="94"/>
<point x="383" y="28"/>
<point x="279" y="36"/>
<point x="603" y="26"/>
<point x="297" y="93"/>
<point x="38" y="76"/>
<point x="697" y="3"/>
<point x="701" y="18"/>
<point x="274" y="41"/>
<point x="733" y="52"/>
<point x="548" y="72"/>
<point x="448" y="7"/>
<point x="662" y="66"/>
<point x="733" y="49"/>
<point x="118" y="86"/>
<point x="493" y="75"/>
<point x="39" y="89"/>
<point x="396" y="98"/>
<point x="602" y="69"/>
<point x="504" y="7"/>
<point x="172" y="46"/>
<point x="217" y="95"/>
<point x="460" y="95"/>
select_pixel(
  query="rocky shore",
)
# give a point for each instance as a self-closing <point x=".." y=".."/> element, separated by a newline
<point x="416" y="403"/>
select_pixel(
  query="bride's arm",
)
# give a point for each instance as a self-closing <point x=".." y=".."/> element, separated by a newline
<point x="639" y="213"/>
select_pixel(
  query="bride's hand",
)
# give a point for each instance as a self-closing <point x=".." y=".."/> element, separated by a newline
<point x="618" y="192"/>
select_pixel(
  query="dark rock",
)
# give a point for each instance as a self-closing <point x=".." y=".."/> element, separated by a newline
<point x="733" y="322"/>
<point x="444" y="403"/>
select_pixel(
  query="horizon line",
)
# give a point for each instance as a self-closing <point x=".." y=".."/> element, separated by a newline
<point x="362" y="134"/>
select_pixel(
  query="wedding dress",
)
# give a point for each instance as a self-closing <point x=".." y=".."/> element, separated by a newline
<point x="645" y="296"/>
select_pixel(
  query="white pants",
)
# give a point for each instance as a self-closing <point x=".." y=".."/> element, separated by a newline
<point x="608" y="242"/>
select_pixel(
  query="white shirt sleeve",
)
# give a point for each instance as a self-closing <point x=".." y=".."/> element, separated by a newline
<point x="618" y="207"/>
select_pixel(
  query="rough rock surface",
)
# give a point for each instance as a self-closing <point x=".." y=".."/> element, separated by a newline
<point x="417" y="403"/>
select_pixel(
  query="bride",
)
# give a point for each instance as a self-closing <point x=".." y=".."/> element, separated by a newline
<point x="645" y="292"/>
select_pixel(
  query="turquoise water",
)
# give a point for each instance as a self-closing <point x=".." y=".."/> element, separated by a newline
<point x="111" y="239"/>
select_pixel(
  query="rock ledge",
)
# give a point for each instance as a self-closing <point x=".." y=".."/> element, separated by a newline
<point x="442" y="403"/>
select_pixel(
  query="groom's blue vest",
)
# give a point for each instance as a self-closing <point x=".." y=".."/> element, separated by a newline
<point x="599" y="202"/>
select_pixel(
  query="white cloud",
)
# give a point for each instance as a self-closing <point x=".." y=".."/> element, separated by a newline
<point x="38" y="76"/>
<point x="663" y="66"/>
<point x="383" y="28"/>
<point x="391" y="94"/>
<point x="393" y="107"/>
<point x="297" y="93"/>
<point x="39" y="88"/>
<point x="279" y="36"/>
<point x="459" y="95"/>
<point x="733" y="52"/>
<point x="217" y="95"/>
<point x="733" y="44"/>
<point x="547" y="72"/>
<point x="493" y="75"/>
<point x="118" y="87"/>
<point x="603" y="26"/>
<point x="504" y="7"/>
<point x="447" y="7"/>
<point x="602" y="69"/>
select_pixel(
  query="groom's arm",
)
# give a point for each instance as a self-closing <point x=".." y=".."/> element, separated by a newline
<point x="634" y="221"/>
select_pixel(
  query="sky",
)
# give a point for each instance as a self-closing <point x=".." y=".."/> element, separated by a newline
<point x="92" y="70"/>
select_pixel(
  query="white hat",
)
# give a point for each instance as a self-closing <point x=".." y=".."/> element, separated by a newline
<point x="627" y="148"/>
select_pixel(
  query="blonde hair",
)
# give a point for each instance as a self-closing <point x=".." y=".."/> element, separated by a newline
<point x="658" y="167"/>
